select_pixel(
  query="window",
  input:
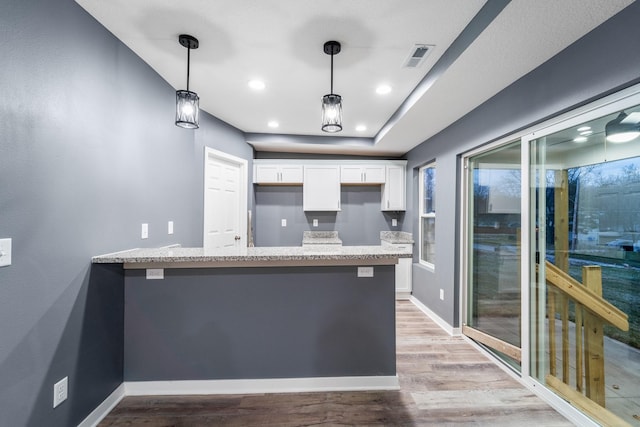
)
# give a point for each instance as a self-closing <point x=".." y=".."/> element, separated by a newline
<point x="428" y="214"/>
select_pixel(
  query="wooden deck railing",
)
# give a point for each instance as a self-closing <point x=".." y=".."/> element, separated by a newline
<point x="591" y="313"/>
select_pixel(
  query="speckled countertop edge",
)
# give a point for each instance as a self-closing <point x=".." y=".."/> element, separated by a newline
<point x="293" y="253"/>
<point x="396" y="237"/>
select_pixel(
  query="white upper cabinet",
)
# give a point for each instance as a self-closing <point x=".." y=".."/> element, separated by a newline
<point x="362" y="174"/>
<point x="394" y="189"/>
<point x="321" y="179"/>
<point x="269" y="173"/>
<point x="321" y="187"/>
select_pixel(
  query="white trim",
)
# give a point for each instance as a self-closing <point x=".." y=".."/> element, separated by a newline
<point x="439" y="320"/>
<point x="403" y="295"/>
<point x="463" y="255"/>
<point x="525" y="261"/>
<point x="421" y="190"/>
<point x="103" y="409"/>
<point x="271" y="385"/>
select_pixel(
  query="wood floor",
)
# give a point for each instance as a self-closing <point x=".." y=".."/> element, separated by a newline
<point x="444" y="382"/>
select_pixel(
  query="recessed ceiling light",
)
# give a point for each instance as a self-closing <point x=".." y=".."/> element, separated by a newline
<point x="586" y="132"/>
<point x="383" y="89"/>
<point x="273" y="124"/>
<point x="256" y="84"/>
<point x="361" y="128"/>
<point x="584" y="128"/>
<point x="580" y="139"/>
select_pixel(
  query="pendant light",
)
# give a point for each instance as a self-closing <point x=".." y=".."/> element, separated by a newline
<point x="332" y="103"/>
<point x="622" y="129"/>
<point x="187" y="102"/>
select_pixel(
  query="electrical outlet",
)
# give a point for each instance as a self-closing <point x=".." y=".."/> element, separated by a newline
<point x="170" y="227"/>
<point x="155" y="273"/>
<point x="365" y="271"/>
<point x="315" y="222"/>
<point x="442" y="294"/>
<point x="144" y="231"/>
<point x="284" y="222"/>
<point x="60" y="391"/>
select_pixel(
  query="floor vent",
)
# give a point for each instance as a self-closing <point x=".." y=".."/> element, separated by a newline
<point x="418" y="54"/>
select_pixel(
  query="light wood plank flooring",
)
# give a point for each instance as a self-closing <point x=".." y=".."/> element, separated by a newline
<point x="444" y="382"/>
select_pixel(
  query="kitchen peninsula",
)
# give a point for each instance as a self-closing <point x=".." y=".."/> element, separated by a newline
<point x="296" y="313"/>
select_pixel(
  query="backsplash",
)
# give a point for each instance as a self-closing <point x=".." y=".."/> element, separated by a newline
<point x="358" y="223"/>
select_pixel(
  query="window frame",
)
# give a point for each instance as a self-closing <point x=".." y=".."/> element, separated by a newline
<point x="422" y="215"/>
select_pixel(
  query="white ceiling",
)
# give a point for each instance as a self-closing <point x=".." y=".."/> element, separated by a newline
<point x="281" y="42"/>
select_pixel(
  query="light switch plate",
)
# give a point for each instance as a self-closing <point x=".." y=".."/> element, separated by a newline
<point x="365" y="271"/>
<point x="144" y="231"/>
<point x="394" y="222"/>
<point x="155" y="273"/>
<point x="442" y="294"/>
<point x="5" y="252"/>
<point x="315" y="222"/>
<point x="284" y="222"/>
<point x="170" y="227"/>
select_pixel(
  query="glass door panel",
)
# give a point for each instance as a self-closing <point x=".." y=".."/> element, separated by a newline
<point x="493" y="251"/>
<point x="585" y="266"/>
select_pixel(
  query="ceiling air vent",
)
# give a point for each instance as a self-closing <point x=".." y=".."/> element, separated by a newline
<point x="418" y="54"/>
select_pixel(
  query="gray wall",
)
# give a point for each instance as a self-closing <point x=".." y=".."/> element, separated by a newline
<point x="359" y="221"/>
<point x="237" y="323"/>
<point x="594" y="66"/>
<point x="88" y="151"/>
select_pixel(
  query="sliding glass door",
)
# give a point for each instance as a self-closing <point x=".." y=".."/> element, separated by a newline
<point x="493" y="297"/>
<point x="551" y="258"/>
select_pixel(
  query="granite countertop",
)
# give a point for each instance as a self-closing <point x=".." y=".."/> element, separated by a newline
<point x="320" y="238"/>
<point x="178" y="257"/>
<point x="396" y="237"/>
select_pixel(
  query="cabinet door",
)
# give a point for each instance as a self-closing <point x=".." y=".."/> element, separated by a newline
<point x="403" y="278"/>
<point x="321" y="188"/>
<point x="362" y="174"/>
<point x="374" y="174"/>
<point x="291" y="174"/>
<point x="266" y="174"/>
<point x="351" y="174"/>
<point x="393" y="194"/>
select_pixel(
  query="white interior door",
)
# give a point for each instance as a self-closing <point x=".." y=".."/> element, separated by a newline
<point x="225" y="200"/>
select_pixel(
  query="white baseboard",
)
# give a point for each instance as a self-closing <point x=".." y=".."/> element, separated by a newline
<point x="402" y="295"/>
<point x="104" y="408"/>
<point x="274" y="385"/>
<point x="439" y="320"/>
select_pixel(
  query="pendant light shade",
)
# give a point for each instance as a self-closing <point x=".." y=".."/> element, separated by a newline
<point x="187" y="109"/>
<point x="622" y="129"/>
<point x="187" y="102"/>
<point x="332" y="113"/>
<point x="332" y="103"/>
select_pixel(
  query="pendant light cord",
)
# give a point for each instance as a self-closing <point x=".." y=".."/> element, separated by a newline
<point x="331" y="72"/>
<point x="188" y="63"/>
